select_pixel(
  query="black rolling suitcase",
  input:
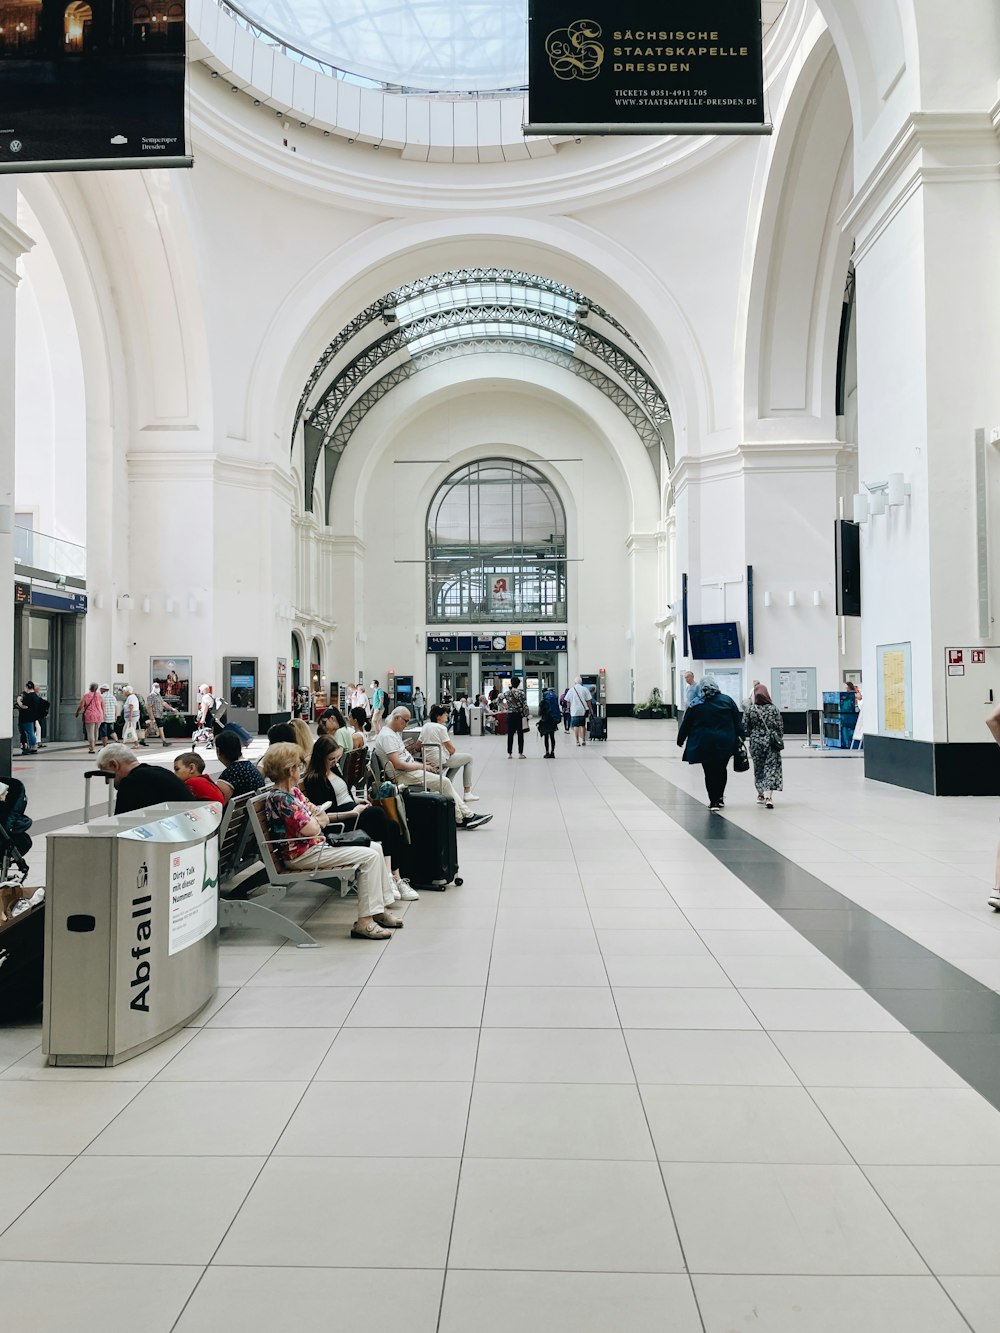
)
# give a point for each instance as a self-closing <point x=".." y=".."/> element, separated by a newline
<point x="597" y="728"/>
<point x="433" y="851"/>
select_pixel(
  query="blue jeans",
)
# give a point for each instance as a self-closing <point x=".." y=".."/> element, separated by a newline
<point x="29" y="740"/>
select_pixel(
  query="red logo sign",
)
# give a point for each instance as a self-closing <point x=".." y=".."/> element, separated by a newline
<point x="956" y="656"/>
<point x="979" y="657"/>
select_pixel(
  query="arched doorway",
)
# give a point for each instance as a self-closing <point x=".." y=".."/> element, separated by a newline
<point x="77" y="20"/>
<point x="317" y="693"/>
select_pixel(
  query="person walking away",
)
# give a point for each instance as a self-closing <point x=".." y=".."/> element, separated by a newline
<point x="564" y="709"/>
<point x="110" y="713"/>
<point x="378" y="707"/>
<point x="91" y="705"/>
<point x="418" y="705"/>
<point x="435" y="732"/>
<point x="548" y="721"/>
<point x="130" y="717"/>
<point x="711" y="734"/>
<point x="765" y="735"/>
<point x="580" y="706"/>
<point x="156" y="706"/>
<point x="692" y="690"/>
<point x="515" y="701"/>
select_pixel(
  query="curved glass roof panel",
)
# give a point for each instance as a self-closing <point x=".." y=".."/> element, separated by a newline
<point x="487" y="329"/>
<point x="432" y="45"/>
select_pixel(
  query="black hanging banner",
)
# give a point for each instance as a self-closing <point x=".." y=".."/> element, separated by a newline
<point x="92" y="84"/>
<point x="645" y="67"/>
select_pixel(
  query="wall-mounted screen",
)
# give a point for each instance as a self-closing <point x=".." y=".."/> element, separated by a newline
<point x="715" y="643"/>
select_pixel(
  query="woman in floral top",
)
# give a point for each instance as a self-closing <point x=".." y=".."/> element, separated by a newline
<point x="515" y="701"/>
<point x="297" y="827"/>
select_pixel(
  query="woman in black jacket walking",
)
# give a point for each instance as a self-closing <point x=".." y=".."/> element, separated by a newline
<point x="713" y="730"/>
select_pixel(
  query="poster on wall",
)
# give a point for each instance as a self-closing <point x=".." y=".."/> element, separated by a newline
<point x="95" y="84"/>
<point x="895" y="690"/>
<point x="645" y="67"/>
<point x="173" y="675"/>
<point x="500" y="593"/>
<point x="282" y="678"/>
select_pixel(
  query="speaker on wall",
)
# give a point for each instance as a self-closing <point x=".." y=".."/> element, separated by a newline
<point x="848" y="545"/>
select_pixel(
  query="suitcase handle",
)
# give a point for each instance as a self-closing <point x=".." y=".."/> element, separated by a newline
<point x="431" y="745"/>
<point x="95" y="773"/>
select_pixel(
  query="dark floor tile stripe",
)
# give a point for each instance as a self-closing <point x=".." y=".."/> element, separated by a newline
<point x="957" y="1017"/>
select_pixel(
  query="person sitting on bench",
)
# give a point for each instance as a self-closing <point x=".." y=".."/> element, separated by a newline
<point x="435" y="732"/>
<point x="295" y="827"/>
<point x="392" y="752"/>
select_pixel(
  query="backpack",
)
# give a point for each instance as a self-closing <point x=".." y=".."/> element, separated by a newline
<point x="42" y="707"/>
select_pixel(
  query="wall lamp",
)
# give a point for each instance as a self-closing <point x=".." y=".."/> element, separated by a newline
<point x="892" y="493"/>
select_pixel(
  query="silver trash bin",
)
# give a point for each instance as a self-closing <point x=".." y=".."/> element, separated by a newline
<point x="131" y="931"/>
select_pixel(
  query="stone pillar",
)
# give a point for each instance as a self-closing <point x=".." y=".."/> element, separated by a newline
<point x="13" y="242"/>
<point x="646" y="657"/>
<point x="927" y="224"/>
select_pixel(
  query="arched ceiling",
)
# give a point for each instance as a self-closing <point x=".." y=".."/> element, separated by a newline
<point x="450" y="314"/>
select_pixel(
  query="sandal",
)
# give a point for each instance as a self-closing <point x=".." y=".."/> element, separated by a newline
<point x="387" y="921"/>
<point x="370" y="932"/>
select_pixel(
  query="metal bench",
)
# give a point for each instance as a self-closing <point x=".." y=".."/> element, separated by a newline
<point x="257" y="912"/>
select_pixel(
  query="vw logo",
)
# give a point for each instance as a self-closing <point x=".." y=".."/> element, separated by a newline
<point x="15" y="145"/>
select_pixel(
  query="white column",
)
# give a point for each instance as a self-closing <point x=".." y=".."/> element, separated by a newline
<point x="645" y="657"/>
<point x="928" y="270"/>
<point x="13" y="242"/>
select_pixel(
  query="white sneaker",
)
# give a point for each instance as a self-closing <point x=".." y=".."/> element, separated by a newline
<point x="469" y="797"/>
<point x="396" y="895"/>
<point x="408" y="894"/>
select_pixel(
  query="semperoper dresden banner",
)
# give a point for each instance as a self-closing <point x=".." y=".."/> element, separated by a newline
<point x="92" y="84"/>
<point x="645" y="67"/>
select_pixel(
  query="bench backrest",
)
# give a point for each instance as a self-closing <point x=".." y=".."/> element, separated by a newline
<point x="234" y="837"/>
<point x="269" y="853"/>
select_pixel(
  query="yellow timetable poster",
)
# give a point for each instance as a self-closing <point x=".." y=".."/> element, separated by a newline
<point x="895" y="692"/>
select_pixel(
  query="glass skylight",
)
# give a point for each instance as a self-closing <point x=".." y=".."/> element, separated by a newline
<point x="435" y="45"/>
<point x="484" y="293"/>
<point x="489" y="328"/>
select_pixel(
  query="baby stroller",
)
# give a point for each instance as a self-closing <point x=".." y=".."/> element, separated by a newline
<point x="205" y="735"/>
<point x="14" y="824"/>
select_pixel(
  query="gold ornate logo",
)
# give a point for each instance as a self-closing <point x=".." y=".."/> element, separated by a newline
<point x="574" y="52"/>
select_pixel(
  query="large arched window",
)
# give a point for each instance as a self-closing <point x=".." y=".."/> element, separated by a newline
<point x="496" y="546"/>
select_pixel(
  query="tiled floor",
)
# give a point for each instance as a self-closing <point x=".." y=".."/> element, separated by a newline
<point x="641" y="1073"/>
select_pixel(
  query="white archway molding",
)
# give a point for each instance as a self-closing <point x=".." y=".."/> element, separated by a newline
<point x="367" y="267"/>
<point x="800" y="256"/>
<point x="457" y="383"/>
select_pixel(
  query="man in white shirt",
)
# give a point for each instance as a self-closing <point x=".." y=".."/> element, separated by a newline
<point x="130" y="718"/>
<point x="391" y="750"/>
<point x="580" y="702"/>
<point x="435" y="733"/>
<point x="360" y="700"/>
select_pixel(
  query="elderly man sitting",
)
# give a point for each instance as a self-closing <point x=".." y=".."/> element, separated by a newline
<point x="390" y="749"/>
<point x="139" y="785"/>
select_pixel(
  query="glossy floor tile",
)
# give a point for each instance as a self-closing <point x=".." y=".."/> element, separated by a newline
<point x="647" y="1070"/>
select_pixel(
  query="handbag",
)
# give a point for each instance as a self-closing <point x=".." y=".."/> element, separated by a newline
<point x="741" y="760"/>
<point x="777" y="741"/>
<point x="354" y="839"/>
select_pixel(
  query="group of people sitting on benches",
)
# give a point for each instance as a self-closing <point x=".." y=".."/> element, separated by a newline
<point x="309" y="794"/>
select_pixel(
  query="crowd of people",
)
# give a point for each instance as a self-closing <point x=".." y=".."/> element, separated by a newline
<point x="310" y="805"/>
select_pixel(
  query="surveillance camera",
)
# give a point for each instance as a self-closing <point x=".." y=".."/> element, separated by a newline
<point x="326" y="134"/>
<point x="279" y="114"/>
<point x="302" y="124"/>
<point x="577" y="139"/>
<point x="215" y="73"/>
<point x="256" y="101"/>
<point x="350" y="141"/>
<point x="234" y="89"/>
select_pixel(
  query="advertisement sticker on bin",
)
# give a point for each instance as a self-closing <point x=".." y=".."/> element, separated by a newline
<point x="194" y="902"/>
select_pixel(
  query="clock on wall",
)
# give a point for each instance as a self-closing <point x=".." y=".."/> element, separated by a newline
<point x="499" y="641"/>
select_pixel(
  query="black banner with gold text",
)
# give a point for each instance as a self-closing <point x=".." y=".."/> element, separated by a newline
<point x="91" y="84"/>
<point x="645" y="67"/>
